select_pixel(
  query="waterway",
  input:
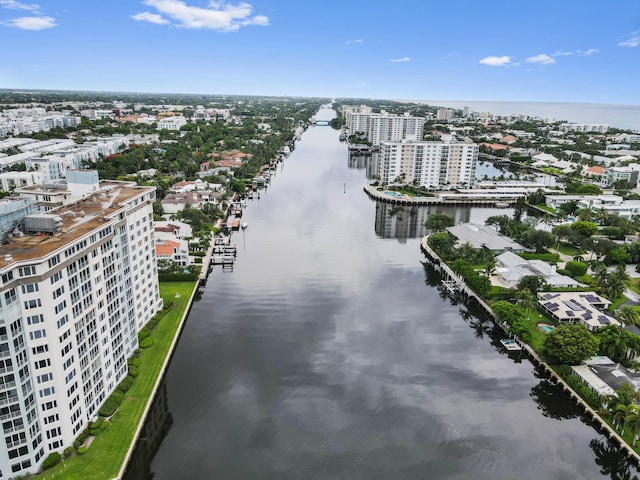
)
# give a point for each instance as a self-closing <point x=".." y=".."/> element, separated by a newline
<point x="331" y="352"/>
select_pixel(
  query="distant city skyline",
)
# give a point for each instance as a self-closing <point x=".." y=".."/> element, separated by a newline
<point x="544" y="51"/>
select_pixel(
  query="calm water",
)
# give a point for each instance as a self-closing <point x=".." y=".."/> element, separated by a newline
<point x="331" y="353"/>
<point x="615" y="115"/>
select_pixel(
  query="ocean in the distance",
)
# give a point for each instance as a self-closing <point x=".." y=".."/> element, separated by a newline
<point x="619" y="116"/>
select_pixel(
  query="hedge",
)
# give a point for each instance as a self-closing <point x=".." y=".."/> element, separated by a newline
<point x="125" y="384"/>
<point x="177" y="277"/>
<point x="111" y="404"/>
<point x="51" y="461"/>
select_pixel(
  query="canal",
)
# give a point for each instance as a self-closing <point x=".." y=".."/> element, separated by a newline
<point x="331" y="352"/>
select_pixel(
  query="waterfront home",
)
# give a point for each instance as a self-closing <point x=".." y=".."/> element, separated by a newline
<point x="577" y="307"/>
<point x="484" y="236"/>
<point x="175" y="202"/>
<point x="604" y="376"/>
<point x="510" y="268"/>
<point x="174" y="229"/>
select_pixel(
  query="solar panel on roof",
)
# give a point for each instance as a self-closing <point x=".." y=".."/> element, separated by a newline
<point x="570" y="313"/>
<point x="603" y="319"/>
<point x="587" y="315"/>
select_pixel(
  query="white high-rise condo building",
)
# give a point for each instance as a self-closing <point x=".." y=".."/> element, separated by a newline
<point x="383" y="126"/>
<point x="76" y="286"/>
<point x="429" y="164"/>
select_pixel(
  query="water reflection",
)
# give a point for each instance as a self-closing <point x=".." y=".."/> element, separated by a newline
<point x="324" y="355"/>
<point x="612" y="460"/>
<point x="157" y="425"/>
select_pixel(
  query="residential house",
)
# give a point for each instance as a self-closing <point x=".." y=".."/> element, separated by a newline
<point x="485" y="237"/>
<point x="510" y="269"/>
<point x="577" y="307"/>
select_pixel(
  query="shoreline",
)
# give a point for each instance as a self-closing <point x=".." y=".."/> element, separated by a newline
<point x="158" y="382"/>
<point x="532" y="355"/>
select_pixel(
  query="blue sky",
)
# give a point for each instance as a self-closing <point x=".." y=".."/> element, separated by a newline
<point x="518" y="50"/>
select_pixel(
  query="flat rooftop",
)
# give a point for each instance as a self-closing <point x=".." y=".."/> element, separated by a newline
<point x="78" y="219"/>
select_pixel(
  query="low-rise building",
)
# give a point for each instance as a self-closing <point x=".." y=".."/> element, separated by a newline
<point x="510" y="269"/>
<point x="604" y="376"/>
<point x="577" y="307"/>
<point x="171" y="123"/>
<point x="176" y="202"/>
<point x="12" y="180"/>
<point x="484" y="237"/>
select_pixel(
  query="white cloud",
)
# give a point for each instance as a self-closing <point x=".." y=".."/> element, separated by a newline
<point x="149" y="17"/>
<point x="542" y="59"/>
<point x="32" y="23"/>
<point x="560" y="53"/>
<point x="14" y="5"/>
<point x="493" y="61"/>
<point x="357" y="41"/>
<point x="216" y="16"/>
<point x="400" y="60"/>
<point x="586" y="53"/>
<point x="632" y="41"/>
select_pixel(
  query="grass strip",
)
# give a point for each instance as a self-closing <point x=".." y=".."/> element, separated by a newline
<point x="108" y="450"/>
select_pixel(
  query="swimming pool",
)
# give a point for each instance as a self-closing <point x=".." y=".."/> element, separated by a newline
<point x="393" y="194"/>
<point x="545" y="328"/>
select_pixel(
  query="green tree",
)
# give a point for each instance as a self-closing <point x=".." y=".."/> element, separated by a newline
<point x="627" y="314"/>
<point x="577" y="269"/>
<point x="570" y="344"/>
<point x="533" y="283"/>
<point x="588" y="190"/>
<point x="527" y="299"/>
<point x="585" y="229"/>
<point x="439" y="222"/>
<point x="620" y="415"/>
<point x="619" y="255"/>
<point x="614" y="287"/>
<point x="442" y="243"/>
<point x="538" y="239"/>
<point x="633" y="423"/>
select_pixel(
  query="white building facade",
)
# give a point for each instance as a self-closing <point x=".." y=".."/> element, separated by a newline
<point x="71" y="304"/>
<point x="429" y="164"/>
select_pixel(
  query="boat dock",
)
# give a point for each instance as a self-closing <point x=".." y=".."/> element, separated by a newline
<point x="604" y="428"/>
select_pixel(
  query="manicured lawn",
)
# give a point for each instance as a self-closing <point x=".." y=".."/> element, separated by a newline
<point x="569" y="249"/>
<point x="104" y="458"/>
<point x="634" y="284"/>
<point x="617" y="303"/>
<point x="542" y="206"/>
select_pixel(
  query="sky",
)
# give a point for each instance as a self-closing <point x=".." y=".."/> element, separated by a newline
<point x="497" y="50"/>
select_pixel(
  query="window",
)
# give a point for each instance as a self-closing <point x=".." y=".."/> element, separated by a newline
<point x="55" y="277"/>
<point x="45" y="392"/>
<point x="35" y="319"/>
<point x="34" y="303"/>
<point x="30" y="288"/>
<point x="27" y="271"/>
<point x="40" y="349"/>
<point x="61" y="306"/>
<point x="37" y="334"/>
<point x="43" y="363"/>
<point x="54" y="261"/>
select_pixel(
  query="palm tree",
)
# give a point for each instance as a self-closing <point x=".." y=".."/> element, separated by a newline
<point x="600" y="274"/>
<point x="633" y="423"/>
<point x="490" y="266"/>
<point x="621" y="272"/>
<point x="627" y="314"/>
<point x="527" y="299"/>
<point x="620" y="415"/>
<point x="614" y="286"/>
